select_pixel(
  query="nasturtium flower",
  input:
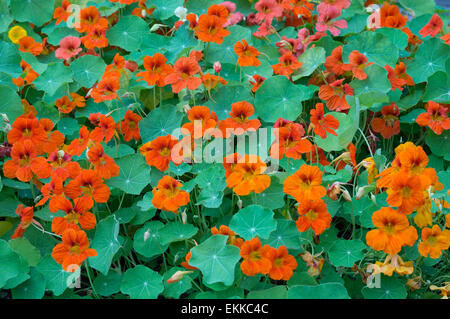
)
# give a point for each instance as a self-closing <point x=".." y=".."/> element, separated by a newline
<point x="256" y="81"/>
<point x="283" y="264"/>
<point x="168" y="195"/>
<point x="63" y="166"/>
<point x="27" y="128"/>
<point x="433" y="27"/>
<point x="73" y="250"/>
<point x="406" y="193"/>
<point x="65" y="105"/>
<point x="129" y="126"/>
<point x="305" y="184"/>
<point x="435" y="118"/>
<point x="79" y="145"/>
<point x="247" y="54"/>
<point x="105" y="129"/>
<point x="248" y="176"/>
<point x="314" y="215"/>
<point x="29" y="45"/>
<point x="183" y="76"/>
<point x="254" y="260"/>
<point x="390" y="16"/>
<point x="334" y="63"/>
<point x="156" y="70"/>
<point x="239" y="121"/>
<point x="232" y="236"/>
<point x="26" y="215"/>
<point x="388" y="124"/>
<point x="16" y="33"/>
<point x="90" y="186"/>
<point x="158" y="153"/>
<point x="288" y="64"/>
<point x="201" y="115"/>
<point x="210" y="29"/>
<point x="392" y="231"/>
<point x="106" y="89"/>
<point x="434" y="241"/>
<point x="323" y="123"/>
<point x="76" y="214"/>
<point x="334" y="94"/>
<point x="63" y="12"/>
<point x="69" y="47"/>
<point x="103" y="164"/>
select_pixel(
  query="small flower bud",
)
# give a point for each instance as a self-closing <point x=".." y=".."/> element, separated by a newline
<point x="217" y="66"/>
<point x="346" y="195"/>
<point x="178" y="276"/>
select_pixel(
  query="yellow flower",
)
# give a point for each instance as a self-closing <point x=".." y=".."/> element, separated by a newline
<point x="444" y="289"/>
<point x="16" y="33"/>
<point x="393" y="263"/>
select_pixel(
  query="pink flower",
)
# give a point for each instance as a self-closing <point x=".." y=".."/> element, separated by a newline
<point x="69" y="47"/>
<point x="325" y="21"/>
<point x="267" y="10"/>
<point x="264" y="29"/>
<point x="231" y="6"/>
<point x="339" y="4"/>
<point x="217" y="66"/>
<point x="373" y="21"/>
<point x="233" y="19"/>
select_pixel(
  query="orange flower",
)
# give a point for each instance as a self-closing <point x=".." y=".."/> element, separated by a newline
<point x="346" y="158"/>
<point x="254" y="260"/>
<point x="219" y="11"/>
<point x="389" y="123"/>
<point x="435" y="117"/>
<point x="239" y="120"/>
<point x="89" y="19"/>
<point x="63" y="166"/>
<point x="232" y="236"/>
<point x="334" y="94"/>
<point x="89" y="185"/>
<point x="51" y="191"/>
<point x="24" y="163"/>
<point x="158" y="153"/>
<point x="391" y="17"/>
<point x="323" y="123"/>
<point x="247" y="54"/>
<point x="104" y="165"/>
<point x="256" y="81"/>
<point x="62" y="13"/>
<point x="412" y="38"/>
<point x="107" y="87"/>
<point x="393" y="231"/>
<point x="288" y="64"/>
<point x="27" y="128"/>
<point x="65" y="105"/>
<point x="229" y="162"/>
<point x="207" y="117"/>
<point x="26" y="215"/>
<point x="210" y="29"/>
<point x="398" y="76"/>
<point x="313" y="214"/>
<point x="156" y="70"/>
<point x="434" y="241"/>
<point x="168" y="196"/>
<point x="27" y="44"/>
<point x="27" y="77"/>
<point x="290" y="141"/>
<point x="79" y="145"/>
<point x="55" y="139"/>
<point x="248" y="175"/>
<point x="183" y="75"/>
<point x="185" y="263"/>
<point x="73" y="250"/>
<point x="334" y="63"/>
<point x="210" y="81"/>
<point x="129" y="126"/>
<point x="105" y="129"/>
<point x="358" y="63"/>
<point x="433" y="27"/>
<point x="406" y="193"/>
<point x="75" y="214"/>
<point x="283" y="264"/>
<point x="96" y="38"/>
<point x="305" y="184"/>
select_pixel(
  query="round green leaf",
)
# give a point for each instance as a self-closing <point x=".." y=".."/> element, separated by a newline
<point x="87" y="70"/>
<point x="286" y="235"/>
<point x="24" y="248"/>
<point x="216" y="260"/>
<point x="10" y="61"/>
<point x="176" y="231"/>
<point x="346" y="252"/>
<point x="390" y="288"/>
<point x="253" y="221"/>
<point x="134" y="174"/>
<point x="12" y="264"/>
<point x="141" y="282"/>
<point x="36" y="11"/>
<point x="109" y="284"/>
<point x="33" y="288"/>
<point x="128" y="33"/>
<point x="310" y="60"/>
<point x="49" y="83"/>
<point x="10" y="103"/>
<point x="160" y="122"/>
<point x="147" y="240"/>
<point x="54" y="274"/>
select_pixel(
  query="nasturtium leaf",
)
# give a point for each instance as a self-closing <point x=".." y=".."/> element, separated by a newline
<point x="210" y="198"/>
<point x="212" y="178"/>
<point x="329" y="290"/>
<point x="225" y="96"/>
<point x="278" y="97"/>
<point x="345" y="134"/>
<point x="49" y="83"/>
<point x="58" y="32"/>
<point x="165" y="9"/>
<point x="182" y="41"/>
<point x="419" y="7"/>
<point x="23" y="247"/>
<point x="147" y="240"/>
<point x="301" y="278"/>
<point x="286" y="234"/>
<point x="141" y="282"/>
<point x="356" y="24"/>
<point x="68" y="126"/>
<point x="272" y="197"/>
<point x="179" y="170"/>
<point x="12" y="264"/>
<point x="35" y="11"/>
<point x="200" y="6"/>
<point x="216" y="260"/>
<point x="5" y="16"/>
<point x="87" y="70"/>
<point x="134" y="174"/>
<point x="109" y="284"/>
<point x="10" y="61"/>
<point x="438" y="87"/>
<point x="56" y="279"/>
<point x="253" y="221"/>
<point x="412" y="99"/>
<point x="10" y="103"/>
<point x="375" y="46"/>
<point x="346" y="252"/>
<point x="160" y="122"/>
<point x="310" y="60"/>
<point x="106" y="243"/>
<point x="411" y="116"/>
<point x="429" y="59"/>
<point x="128" y="33"/>
<point x="362" y="208"/>
<point x="328" y="44"/>
<point x="224" y="52"/>
<point x="376" y="81"/>
<point x="125" y="215"/>
<point x="33" y="288"/>
<point x="438" y="143"/>
<point x="389" y="288"/>
<point x="176" y="289"/>
<point x="277" y="292"/>
<point x="397" y="36"/>
<point x="176" y="231"/>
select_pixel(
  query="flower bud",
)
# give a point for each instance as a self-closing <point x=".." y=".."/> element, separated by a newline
<point x="178" y="276"/>
<point x="217" y="66"/>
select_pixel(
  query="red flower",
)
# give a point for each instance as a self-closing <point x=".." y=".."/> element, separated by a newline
<point x="183" y="75"/>
<point x="321" y="123"/>
<point x="389" y="123"/>
<point x="334" y="94"/>
<point x="433" y="27"/>
<point x="435" y="117"/>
